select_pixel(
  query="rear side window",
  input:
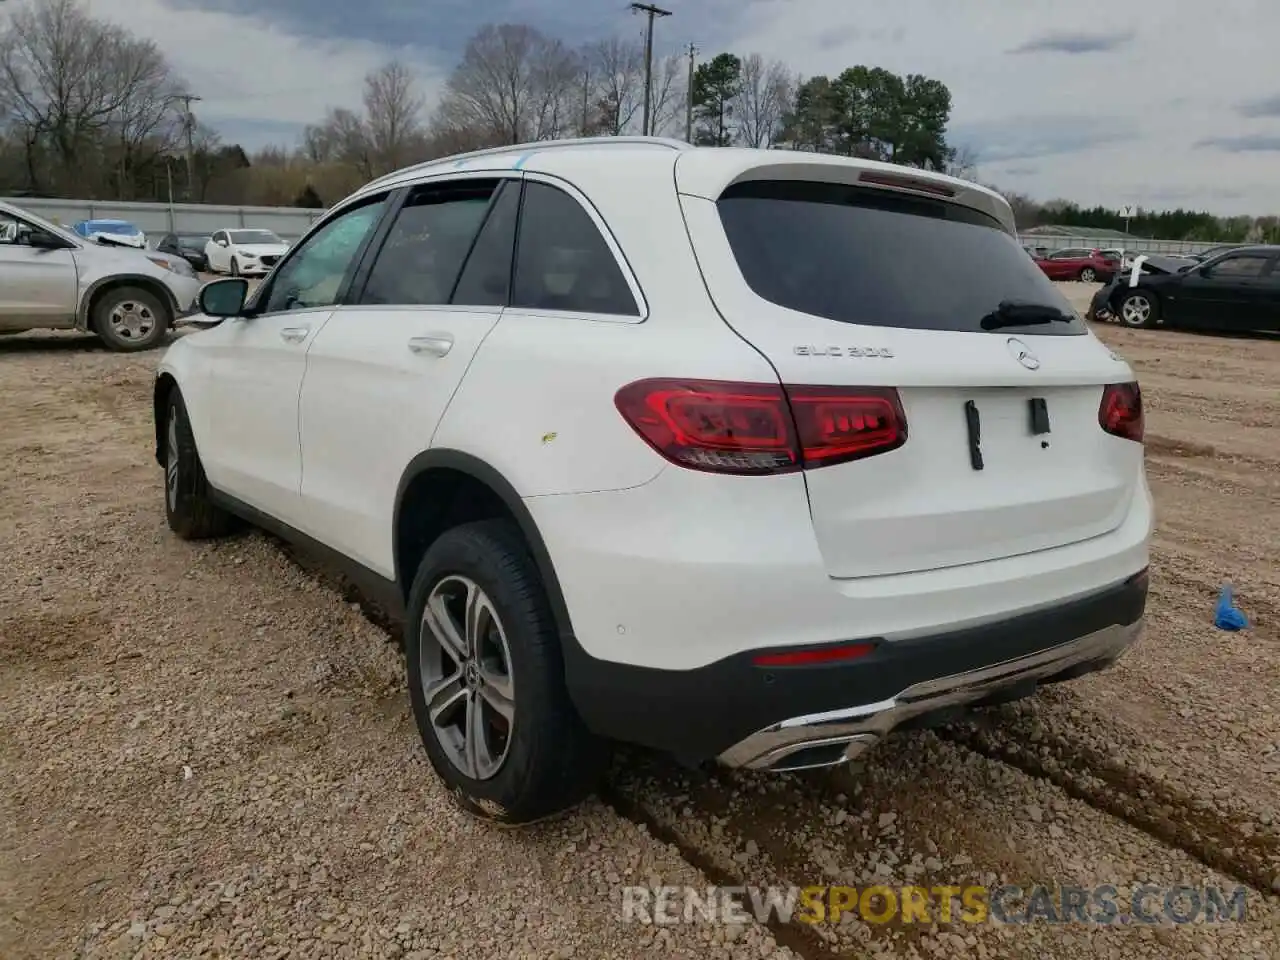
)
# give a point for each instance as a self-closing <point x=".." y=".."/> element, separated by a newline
<point x="562" y="261"/>
<point x="423" y="253"/>
<point x="864" y="256"/>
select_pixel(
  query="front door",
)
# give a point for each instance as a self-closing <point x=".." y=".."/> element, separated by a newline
<point x="1226" y="294"/>
<point x="256" y="365"/>
<point x="37" y="286"/>
<point x="384" y="368"/>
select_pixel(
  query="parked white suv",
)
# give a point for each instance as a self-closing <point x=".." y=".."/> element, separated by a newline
<point x="744" y="455"/>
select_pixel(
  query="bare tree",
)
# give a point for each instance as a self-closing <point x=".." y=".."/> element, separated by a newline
<point x="669" y="92"/>
<point x="393" y="114"/>
<point x="618" y="68"/>
<point x="964" y="163"/>
<point x="513" y="85"/>
<point x="762" y="100"/>
<point x="68" y="82"/>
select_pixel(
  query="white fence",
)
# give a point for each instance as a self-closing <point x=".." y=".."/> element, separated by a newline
<point x="1132" y="245"/>
<point x="157" y="219"/>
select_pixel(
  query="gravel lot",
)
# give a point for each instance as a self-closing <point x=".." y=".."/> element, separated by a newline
<point x="207" y="750"/>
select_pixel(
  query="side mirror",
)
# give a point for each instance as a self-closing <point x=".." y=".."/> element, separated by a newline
<point x="223" y="298"/>
<point x="41" y="240"/>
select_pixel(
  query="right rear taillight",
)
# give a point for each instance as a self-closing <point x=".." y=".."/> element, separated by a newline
<point x="760" y="428"/>
<point x="1120" y="412"/>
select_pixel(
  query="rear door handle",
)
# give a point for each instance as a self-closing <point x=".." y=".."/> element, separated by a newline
<point x="294" y="334"/>
<point x="436" y="346"/>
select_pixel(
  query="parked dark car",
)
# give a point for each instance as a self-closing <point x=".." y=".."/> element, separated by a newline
<point x="1079" y="263"/>
<point x="189" y="246"/>
<point x="1237" y="290"/>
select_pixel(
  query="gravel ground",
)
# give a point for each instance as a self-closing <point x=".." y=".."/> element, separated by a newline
<point x="207" y="751"/>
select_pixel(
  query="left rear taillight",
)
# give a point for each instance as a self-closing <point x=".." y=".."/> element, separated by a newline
<point x="1120" y="411"/>
<point x="759" y="428"/>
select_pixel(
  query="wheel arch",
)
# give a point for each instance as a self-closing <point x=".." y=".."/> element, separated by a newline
<point x="453" y="467"/>
<point x="84" y="318"/>
<point x="164" y="387"/>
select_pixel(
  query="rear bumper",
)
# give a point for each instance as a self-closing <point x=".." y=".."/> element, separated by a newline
<point x="794" y="717"/>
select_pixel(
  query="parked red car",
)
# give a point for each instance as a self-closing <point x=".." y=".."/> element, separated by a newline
<point x="1077" y="263"/>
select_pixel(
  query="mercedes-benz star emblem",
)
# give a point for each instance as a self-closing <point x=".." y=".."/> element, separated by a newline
<point x="1022" y="353"/>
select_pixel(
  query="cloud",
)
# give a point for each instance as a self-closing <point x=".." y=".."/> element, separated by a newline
<point x="1040" y="122"/>
<point x="259" y="82"/>
<point x="1250" y="143"/>
<point x="1036" y="137"/>
<point x="1269" y="107"/>
<point x="1075" y="43"/>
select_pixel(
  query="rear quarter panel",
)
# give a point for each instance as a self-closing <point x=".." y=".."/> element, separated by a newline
<point x="537" y="402"/>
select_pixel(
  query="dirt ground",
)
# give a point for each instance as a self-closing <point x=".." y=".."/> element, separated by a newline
<point x="206" y="751"/>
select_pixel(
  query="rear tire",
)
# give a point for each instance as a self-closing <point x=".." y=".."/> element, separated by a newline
<point x="486" y="680"/>
<point x="1138" y="308"/>
<point x="188" y="507"/>
<point x="1087" y="275"/>
<point x="130" y="318"/>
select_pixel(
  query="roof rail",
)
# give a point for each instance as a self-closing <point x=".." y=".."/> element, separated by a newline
<point x="537" y="146"/>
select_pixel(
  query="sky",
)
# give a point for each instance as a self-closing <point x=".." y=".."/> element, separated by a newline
<point x="1160" y="104"/>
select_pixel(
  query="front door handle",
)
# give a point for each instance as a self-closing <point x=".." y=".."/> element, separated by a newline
<point x="294" y="334"/>
<point x="436" y="346"/>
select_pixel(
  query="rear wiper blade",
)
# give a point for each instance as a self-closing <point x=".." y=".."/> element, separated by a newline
<point x="1021" y="313"/>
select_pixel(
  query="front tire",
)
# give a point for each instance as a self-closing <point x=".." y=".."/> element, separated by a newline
<point x="235" y="267"/>
<point x="188" y="507"/>
<point x="1087" y="275"/>
<point x="128" y="319"/>
<point x="486" y="680"/>
<point x="1138" y="308"/>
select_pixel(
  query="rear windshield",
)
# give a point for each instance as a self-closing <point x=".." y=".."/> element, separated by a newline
<point x="859" y="255"/>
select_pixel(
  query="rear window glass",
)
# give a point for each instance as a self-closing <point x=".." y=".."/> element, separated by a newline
<point x="858" y="255"/>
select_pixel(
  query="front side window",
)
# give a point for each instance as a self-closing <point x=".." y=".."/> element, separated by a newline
<point x="1243" y="266"/>
<point x="313" y="276"/>
<point x="8" y="229"/>
<point x="562" y="261"/>
<point x="423" y="253"/>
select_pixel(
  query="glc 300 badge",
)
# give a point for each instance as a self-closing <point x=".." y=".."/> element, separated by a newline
<point x="843" y="352"/>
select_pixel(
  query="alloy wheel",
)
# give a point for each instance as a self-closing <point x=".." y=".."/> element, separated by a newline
<point x="171" y="463"/>
<point x="466" y="676"/>
<point x="1136" y="311"/>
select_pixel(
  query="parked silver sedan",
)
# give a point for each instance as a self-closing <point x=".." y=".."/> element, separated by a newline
<point x="52" y="279"/>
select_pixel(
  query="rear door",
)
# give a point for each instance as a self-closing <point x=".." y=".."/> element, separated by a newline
<point x="384" y="368"/>
<point x="841" y="285"/>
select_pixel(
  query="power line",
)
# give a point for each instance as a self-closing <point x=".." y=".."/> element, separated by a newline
<point x="651" y="11"/>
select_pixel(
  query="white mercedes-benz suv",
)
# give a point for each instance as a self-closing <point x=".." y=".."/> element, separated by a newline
<point x="745" y="455"/>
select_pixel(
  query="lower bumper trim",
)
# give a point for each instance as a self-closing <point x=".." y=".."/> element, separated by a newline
<point x="836" y="736"/>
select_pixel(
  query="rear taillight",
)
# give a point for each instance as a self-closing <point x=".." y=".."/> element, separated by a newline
<point x="759" y="428"/>
<point x="1120" y="412"/>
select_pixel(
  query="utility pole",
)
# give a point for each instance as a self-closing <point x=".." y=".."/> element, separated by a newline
<point x="189" y="124"/>
<point x="688" y="103"/>
<point x="652" y="12"/>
